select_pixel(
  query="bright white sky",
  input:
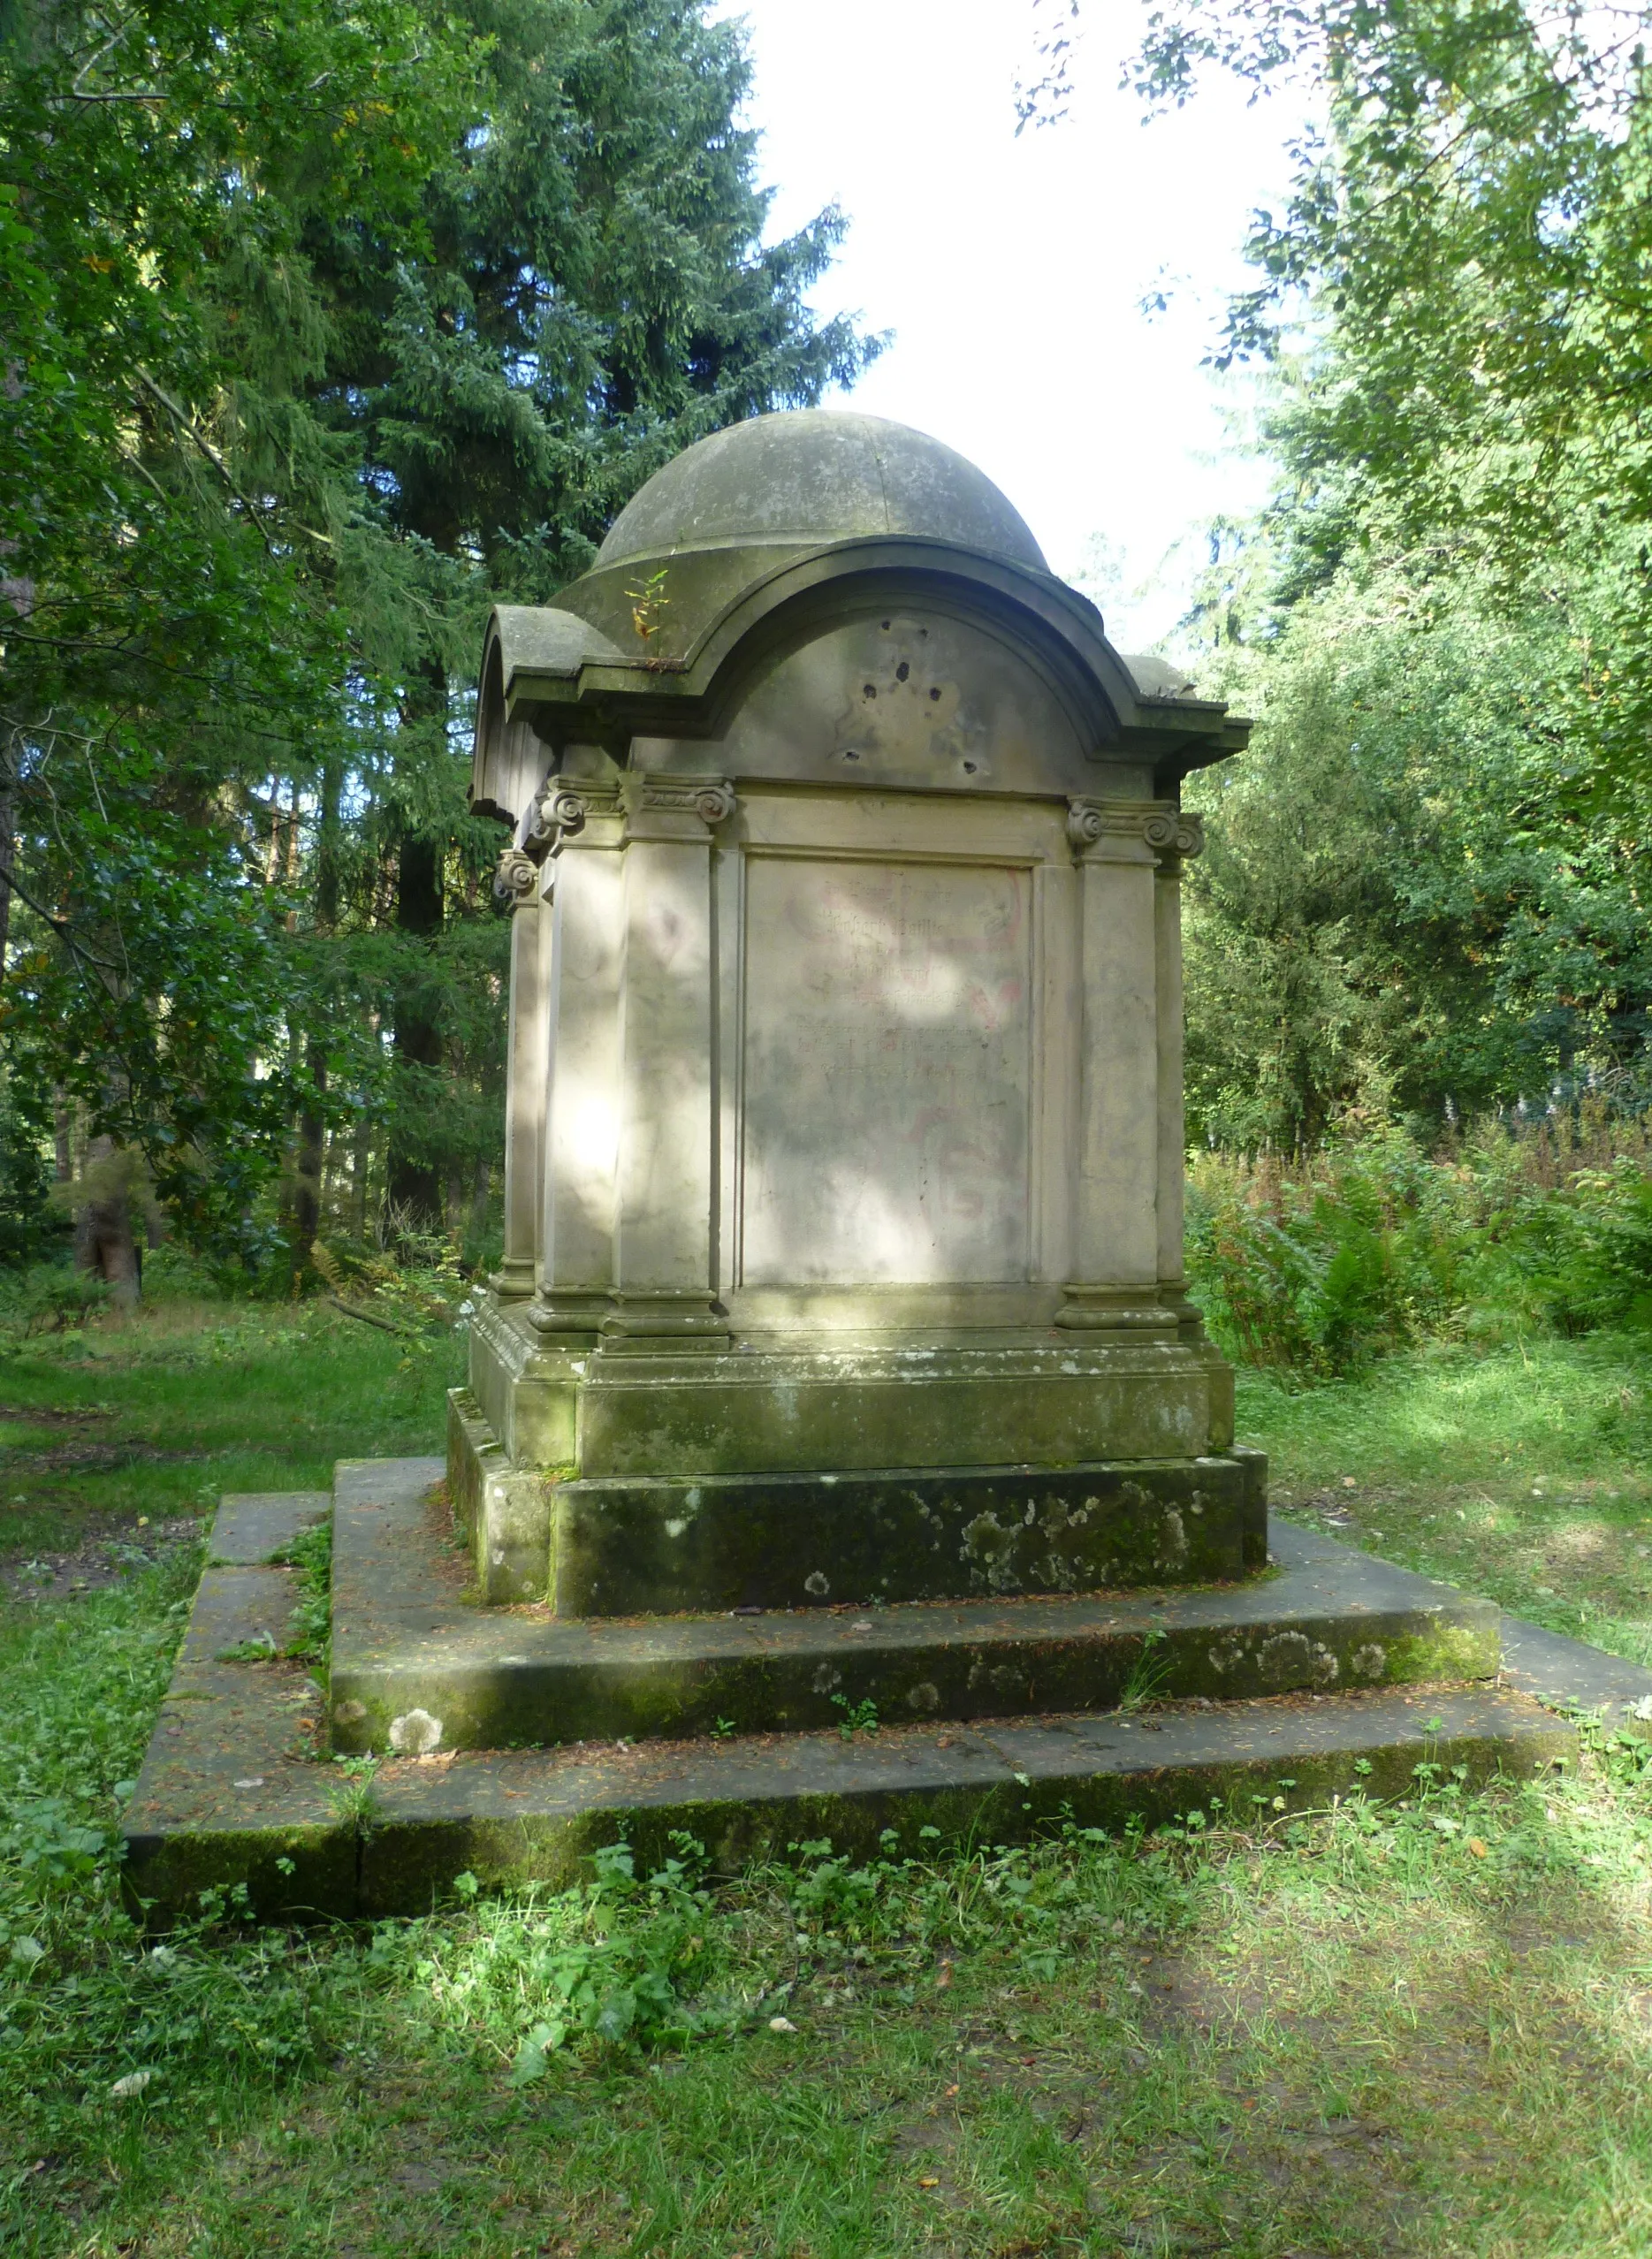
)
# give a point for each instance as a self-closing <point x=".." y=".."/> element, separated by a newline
<point x="1011" y="270"/>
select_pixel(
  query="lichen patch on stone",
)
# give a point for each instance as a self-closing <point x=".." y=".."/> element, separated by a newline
<point x="416" y="1734"/>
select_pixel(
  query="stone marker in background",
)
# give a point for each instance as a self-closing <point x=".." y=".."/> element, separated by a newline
<point x="843" y="1233"/>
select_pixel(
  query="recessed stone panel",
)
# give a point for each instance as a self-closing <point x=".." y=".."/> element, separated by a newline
<point x="918" y="701"/>
<point x="887" y="1072"/>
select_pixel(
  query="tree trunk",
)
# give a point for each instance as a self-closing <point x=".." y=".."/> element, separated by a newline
<point x="414" y="1182"/>
<point x="480" y="1188"/>
<point x="104" y="1242"/>
<point x="8" y="855"/>
<point x="63" y="1137"/>
<point x="310" y="1155"/>
<point x="312" y="1132"/>
<point x="361" y="1163"/>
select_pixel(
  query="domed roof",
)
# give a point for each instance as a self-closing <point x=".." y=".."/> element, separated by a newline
<point x="813" y="475"/>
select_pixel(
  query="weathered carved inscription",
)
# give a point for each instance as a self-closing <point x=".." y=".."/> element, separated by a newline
<point x="888" y="1072"/>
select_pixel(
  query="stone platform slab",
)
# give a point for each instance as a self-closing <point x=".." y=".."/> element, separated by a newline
<point x="1571" y="1674"/>
<point x="405" y="1641"/>
<point x="237" y="1786"/>
<point x="233" y="1790"/>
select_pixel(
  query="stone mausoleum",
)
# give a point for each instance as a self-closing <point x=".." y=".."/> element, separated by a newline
<point x="843" y="1256"/>
<point x="842" y="1455"/>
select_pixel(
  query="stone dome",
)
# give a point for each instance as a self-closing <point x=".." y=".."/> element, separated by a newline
<point x="813" y="475"/>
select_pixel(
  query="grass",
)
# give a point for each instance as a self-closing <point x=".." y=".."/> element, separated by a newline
<point x="1524" y="1474"/>
<point x="1418" y="2031"/>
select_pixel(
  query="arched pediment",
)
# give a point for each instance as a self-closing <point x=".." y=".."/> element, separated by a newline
<point x="725" y="624"/>
<point x="906" y="689"/>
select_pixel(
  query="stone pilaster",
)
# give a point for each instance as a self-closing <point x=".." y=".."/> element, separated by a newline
<point x="1115" y="1206"/>
<point x="583" y="831"/>
<point x="1188" y="839"/>
<point x="666" y="1167"/>
<point x="517" y="882"/>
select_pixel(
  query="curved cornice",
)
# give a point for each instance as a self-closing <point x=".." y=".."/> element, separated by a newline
<point x="550" y="669"/>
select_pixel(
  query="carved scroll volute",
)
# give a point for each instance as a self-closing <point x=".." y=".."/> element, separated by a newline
<point x="714" y="804"/>
<point x="663" y="806"/>
<point x="1175" y="834"/>
<point x="1125" y="830"/>
<point x="517" y="876"/>
<point x="1190" y="835"/>
<point x="562" y="811"/>
<point x="712" y="799"/>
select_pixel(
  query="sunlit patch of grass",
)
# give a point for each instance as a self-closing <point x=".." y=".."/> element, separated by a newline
<point x="242" y="1397"/>
<point x="1552" y="1409"/>
<point x="1524" y="1473"/>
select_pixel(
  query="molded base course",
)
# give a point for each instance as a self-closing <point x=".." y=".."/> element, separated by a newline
<point x="404" y="1640"/>
<point x="979" y="1397"/>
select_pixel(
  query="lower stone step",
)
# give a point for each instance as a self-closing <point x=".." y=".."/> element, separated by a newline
<point x="414" y="1666"/>
<point x="225" y="1800"/>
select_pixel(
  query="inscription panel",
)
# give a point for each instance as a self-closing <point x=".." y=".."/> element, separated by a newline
<point x="886" y="1073"/>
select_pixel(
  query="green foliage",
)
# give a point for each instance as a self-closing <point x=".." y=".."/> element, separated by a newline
<point x="858" y="1718"/>
<point x="1399" y="913"/>
<point x="1149" y="1674"/>
<point x="1371" y="1245"/>
<point x="29" y="1229"/>
<point x="1425" y="893"/>
<point x="324" y="331"/>
<point x="1584" y="1253"/>
<point x="619" y="1963"/>
<point x="48" y="1299"/>
<point x="310" y="1625"/>
<point x="1467" y="237"/>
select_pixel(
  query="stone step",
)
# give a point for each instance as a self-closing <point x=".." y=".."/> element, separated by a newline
<point x="255" y="1526"/>
<point x="1568" y="1674"/>
<point x="415" y="1667"/>
<point x="225" y="1799"/>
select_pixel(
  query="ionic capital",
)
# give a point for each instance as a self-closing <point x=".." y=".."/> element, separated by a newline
<point x="562" y="810"/>
<point x="712" y="799"/>
<point x="516" y="877"/>
<point x="1133" y="831"/>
